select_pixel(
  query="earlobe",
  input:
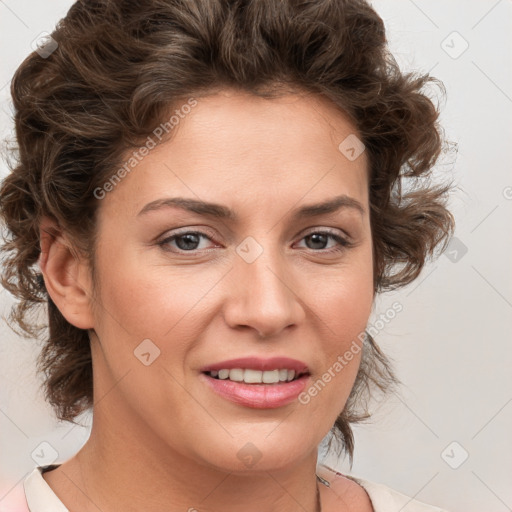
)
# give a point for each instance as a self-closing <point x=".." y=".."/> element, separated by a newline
<point x="66" y="275"/>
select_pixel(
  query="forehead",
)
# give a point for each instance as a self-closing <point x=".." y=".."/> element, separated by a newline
<point x="235" y="148"/>
<point x="275" y="127"/>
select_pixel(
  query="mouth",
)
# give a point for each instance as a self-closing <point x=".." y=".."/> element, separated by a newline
<point x="250" y="376"/>
<point x="257" y="383"/>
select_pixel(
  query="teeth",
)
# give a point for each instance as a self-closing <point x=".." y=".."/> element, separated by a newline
<point x="236" y="374"/>
<point x="270" y="377"/>
<point x="254" y="376"/>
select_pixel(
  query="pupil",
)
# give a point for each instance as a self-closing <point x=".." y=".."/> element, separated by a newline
<point x="191" y="238"/>
<point x="318" y="238"/>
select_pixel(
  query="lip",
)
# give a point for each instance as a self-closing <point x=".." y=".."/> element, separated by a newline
<point x="258" y="363"/>
<point x="257" y="396"/>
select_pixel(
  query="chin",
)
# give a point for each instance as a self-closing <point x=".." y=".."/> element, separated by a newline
<point x="257" y="451"/>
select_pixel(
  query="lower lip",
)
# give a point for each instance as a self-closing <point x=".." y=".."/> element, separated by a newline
<point x="257" y="396"/>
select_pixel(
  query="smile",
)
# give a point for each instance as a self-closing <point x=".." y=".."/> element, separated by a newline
<point x="250" y="376"/>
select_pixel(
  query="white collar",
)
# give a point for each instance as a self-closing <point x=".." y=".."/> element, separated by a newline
<point x="39" y="495"/>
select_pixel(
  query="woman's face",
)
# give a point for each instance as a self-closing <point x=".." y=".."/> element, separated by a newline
<point x="270" y="280"/>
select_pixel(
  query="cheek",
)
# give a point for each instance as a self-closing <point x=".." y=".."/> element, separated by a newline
<point x="149" y="300"/>
<point x="169" y="306"/>
<point x="344" y="307"/>
<point x="139" y="304"/>
<point x="345" y="298"/>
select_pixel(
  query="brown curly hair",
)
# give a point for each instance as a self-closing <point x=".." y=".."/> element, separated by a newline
<point x="118" y="69"/>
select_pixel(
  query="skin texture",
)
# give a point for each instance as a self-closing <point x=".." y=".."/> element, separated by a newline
<point x="161" y="439"/>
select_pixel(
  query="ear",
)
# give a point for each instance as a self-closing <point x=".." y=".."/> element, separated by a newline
<point x="66" y="275"/>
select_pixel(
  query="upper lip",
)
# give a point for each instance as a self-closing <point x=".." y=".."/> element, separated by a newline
<point x="258" y="363"/>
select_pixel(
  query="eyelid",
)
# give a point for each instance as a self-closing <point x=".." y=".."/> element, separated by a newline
<point x="332" y="231"/>
<point x="202" y="230"/>
<point x="206" y="231"/>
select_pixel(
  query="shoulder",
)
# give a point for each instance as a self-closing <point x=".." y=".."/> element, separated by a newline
<point x="379" y="497"/>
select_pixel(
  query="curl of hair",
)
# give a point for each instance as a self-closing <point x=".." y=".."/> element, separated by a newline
<point x="122" y="65"/>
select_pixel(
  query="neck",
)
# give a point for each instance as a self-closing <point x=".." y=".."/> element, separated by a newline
<point x="152" y="477"/>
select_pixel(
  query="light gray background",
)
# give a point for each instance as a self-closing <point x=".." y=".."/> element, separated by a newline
<point x="451" y="343"/>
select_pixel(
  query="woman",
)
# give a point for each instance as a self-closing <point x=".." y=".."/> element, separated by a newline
<point x="208" y="198"/>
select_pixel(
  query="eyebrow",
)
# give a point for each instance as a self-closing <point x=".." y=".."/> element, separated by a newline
<point x="223" y="212"/>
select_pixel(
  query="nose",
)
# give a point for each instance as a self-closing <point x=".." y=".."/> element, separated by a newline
<point x="264" y="296"/>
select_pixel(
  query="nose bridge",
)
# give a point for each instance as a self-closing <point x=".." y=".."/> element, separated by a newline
<point x="264" y="296"/>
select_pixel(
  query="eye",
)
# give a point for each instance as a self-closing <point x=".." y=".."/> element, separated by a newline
<point x="187" y="241"/>
<point x="190" y="242"/>
<point x="318" y="240"/>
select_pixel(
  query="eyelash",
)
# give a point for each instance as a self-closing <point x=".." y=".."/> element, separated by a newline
<point x="343" y="243"/>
